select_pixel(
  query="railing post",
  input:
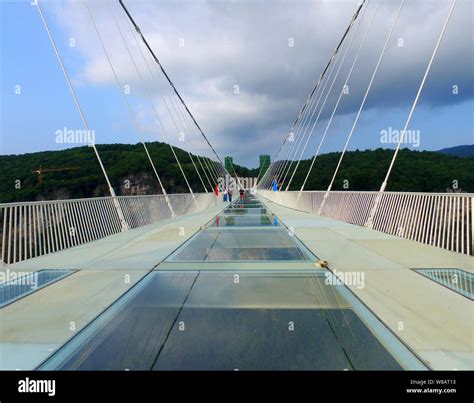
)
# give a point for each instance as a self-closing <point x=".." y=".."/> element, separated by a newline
<point x="370" y="220"/>
<point x="320" y="210"/>
<point x="472" y="227"/>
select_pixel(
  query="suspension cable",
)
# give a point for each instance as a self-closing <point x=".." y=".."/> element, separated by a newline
<point x="123" y="222"/>
<point x="354" y="62"/>
<point x="363" y="100"/>
<point x="302" y="110"/>
<point x="308" y="121"/>
<point x="295" y="131"/>
<point x="151" y="71"/>
<point x="187" y="127"/>
<point x="176" y="108"/>
<point x="132" y="115"/>
<point x="177" y="129"/>
<point x="166" y="76"/>
<point x="305" y="121"/>
<point x="410" y="115"/>
<point x="336" y="75"/>
<point x="184" y="118"/>
<point x="150" y="98"/>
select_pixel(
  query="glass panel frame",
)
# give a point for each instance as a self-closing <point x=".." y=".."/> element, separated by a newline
<point x="457" y="280"/>
<point x="27" y="284"/>
<point x="262" y="319"/>
<point x="259" y="244"/>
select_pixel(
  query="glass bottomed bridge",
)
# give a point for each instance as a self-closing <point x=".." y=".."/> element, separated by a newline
<point x="234" y="286"/>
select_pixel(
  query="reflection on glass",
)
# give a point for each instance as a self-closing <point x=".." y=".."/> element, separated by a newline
<point x="457" y="280"/>
<point x="245" y="211"/>
<point x="232" y="220"/>
<point x="22" y="286"/>
<point x="204" y="321"/>
<point x="248" y="202"/>
<point x="239" y="245"/>
<point x="190" y="320"/>
<point x="133" y="337"/>
<point x="261" y="339"/>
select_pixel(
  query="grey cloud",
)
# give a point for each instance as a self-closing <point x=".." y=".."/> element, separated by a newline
<point x="245" y="43"/>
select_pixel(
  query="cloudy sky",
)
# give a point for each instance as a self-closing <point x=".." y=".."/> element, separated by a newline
<point x="244" y="67"/>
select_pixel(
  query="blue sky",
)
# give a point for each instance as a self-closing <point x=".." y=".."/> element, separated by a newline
<point x="29" y="120"/>
<point x="228" y="44"/>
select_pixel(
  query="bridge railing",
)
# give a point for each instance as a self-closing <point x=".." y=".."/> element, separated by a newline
<point x="444" y="220"/>
<point x="34" y="229"/>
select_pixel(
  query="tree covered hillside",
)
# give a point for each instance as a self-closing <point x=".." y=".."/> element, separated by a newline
<point x="414" y="171"/>
<point x="360" y="170"/>
<point x="125" y="164"/>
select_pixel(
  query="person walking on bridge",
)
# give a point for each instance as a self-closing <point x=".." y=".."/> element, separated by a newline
<point x="216" y="192"/>
<point x="224" y="195"/>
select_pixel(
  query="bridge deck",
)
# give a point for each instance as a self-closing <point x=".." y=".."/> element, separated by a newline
<point x="433" y="321"/>
<point x="33" y="327"/>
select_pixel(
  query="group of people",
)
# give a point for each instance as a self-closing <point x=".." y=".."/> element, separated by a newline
<point x="227" y="193"/>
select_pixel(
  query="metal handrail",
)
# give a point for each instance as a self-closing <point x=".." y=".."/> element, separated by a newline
<point x="460" y="194"/>
<point x="444" y="220"/>
<point x="87" y="199"/>
<point x="31" y="229"/>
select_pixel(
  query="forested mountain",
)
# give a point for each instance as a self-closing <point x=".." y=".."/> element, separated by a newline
<point x="127" y="166"/>
<point x="131" y="173"/>
<point x="459" y="151"/>
<point x="414" y="171"/>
